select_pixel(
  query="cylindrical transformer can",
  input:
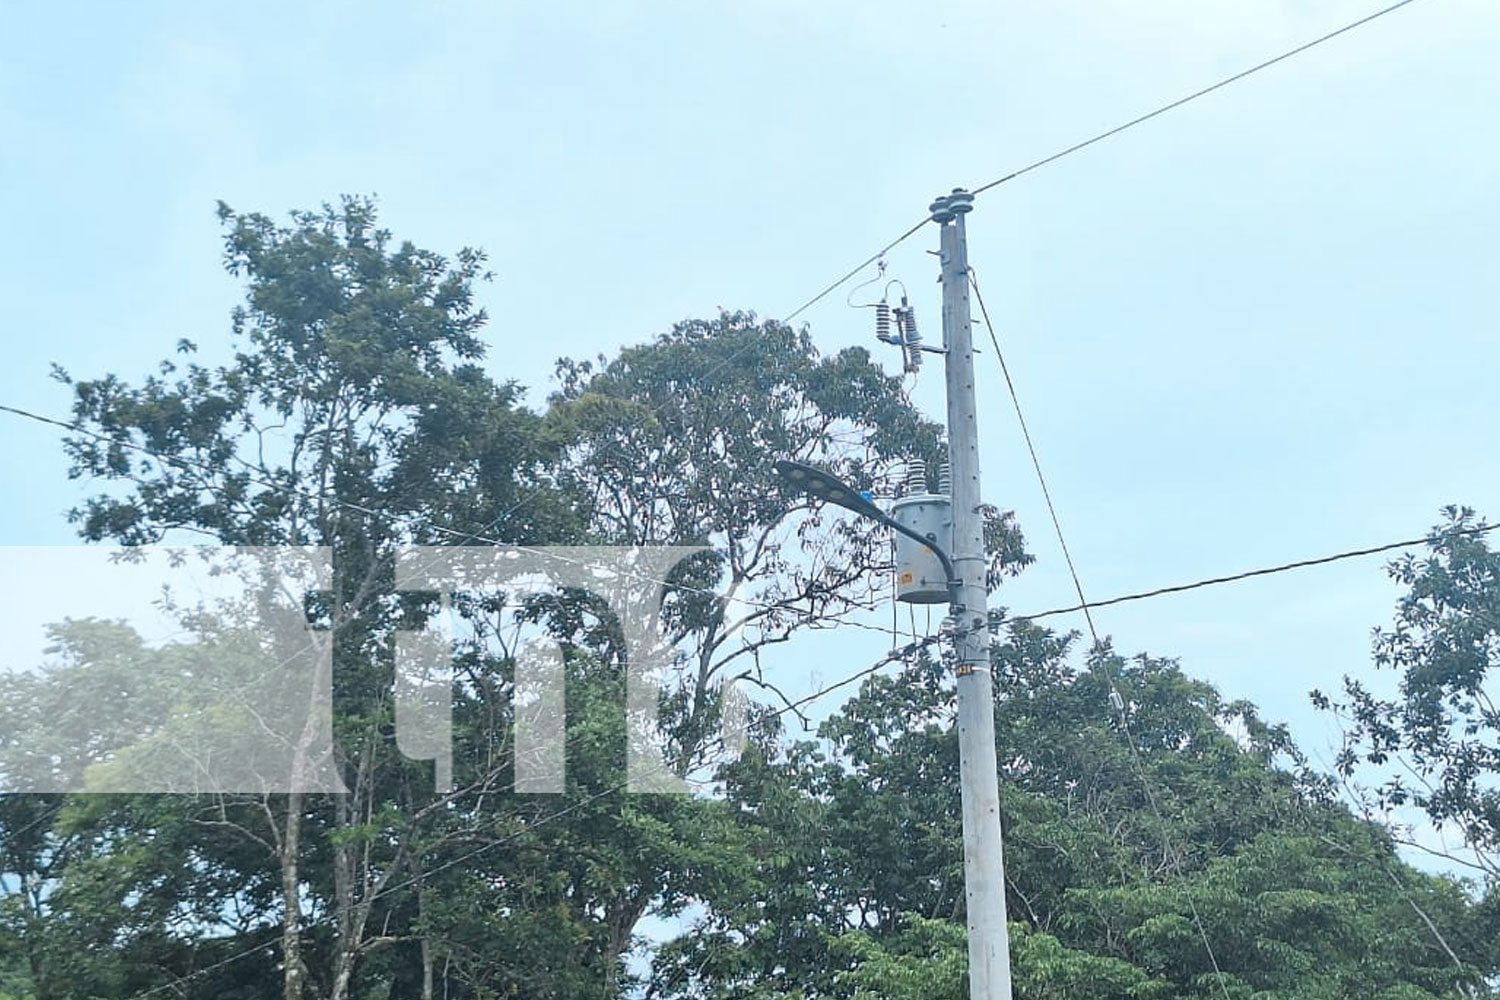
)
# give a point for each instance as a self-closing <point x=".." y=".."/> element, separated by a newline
<point x="919" y="572"/>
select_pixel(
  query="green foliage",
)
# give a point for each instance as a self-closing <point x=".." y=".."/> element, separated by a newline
<point x="356" y="375"/>
<point x="1443" y="725"/>
<point x="1116" y="891"/>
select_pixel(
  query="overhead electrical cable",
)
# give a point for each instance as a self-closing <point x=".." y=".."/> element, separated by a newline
<point x="1031" y="448"/>
<point x="393" y="520"/>
<point x="462" y="537"/>
<point x="1190" y="97"/>
<point x="1267" y="571"/>
<point x="1084" y="605"/>
<point x="1116" y="697"/>
<point x="837" y="283"/>
<point x="1068" y="151"/>
<point x="904" y="652"/>
<point x="855" y="270"/>
<point x="745" y="348"/>
<point x="1050" y="613"/>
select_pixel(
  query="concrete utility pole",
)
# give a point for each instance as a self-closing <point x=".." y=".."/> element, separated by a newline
<point x="984" y="863"/>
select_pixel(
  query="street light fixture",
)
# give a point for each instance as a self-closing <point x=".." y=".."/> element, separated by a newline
<point x="822" y="486"/>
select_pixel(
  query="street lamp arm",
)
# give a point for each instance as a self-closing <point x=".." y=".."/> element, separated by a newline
<point x="821" y="485"/>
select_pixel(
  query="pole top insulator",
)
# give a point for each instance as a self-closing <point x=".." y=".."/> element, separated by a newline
<point x="946" y="206"/>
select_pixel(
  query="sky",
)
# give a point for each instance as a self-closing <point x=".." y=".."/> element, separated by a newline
<point x="1256" y="329"/>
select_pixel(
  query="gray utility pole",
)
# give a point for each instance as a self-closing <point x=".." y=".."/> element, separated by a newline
<point x="984" y="863"/>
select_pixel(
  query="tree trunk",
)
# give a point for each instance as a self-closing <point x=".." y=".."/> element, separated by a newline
<point x="343" y="888"/>
<point x="291" y="900"/>
<point x="426" y="962"/>
<point x="31" y="904"/>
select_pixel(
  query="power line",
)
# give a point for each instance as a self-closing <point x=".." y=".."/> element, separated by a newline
<point x="1191" y="97"/>
<point x="910" y="649"/>
<point x="1101" y="137"/>
<point x="394" y="520"/>
<point x="1083" y="605"/>
<point x="1098" y="138"/>
<point x="46" y="816"/>
<point x="735" y="355"/>
<point x="858" y="268"/>
<point x="73" y="427"/>
<point x="1266" y="571"/>
<point x="463" y="538"/>
<point x="389" y="518"/>
<point x="459" y="537"/>
<point x="1117" y="697"/>
<point x="833" y="286"/>
<point x="200" y="973"/>
<point x="1035" y="462"/>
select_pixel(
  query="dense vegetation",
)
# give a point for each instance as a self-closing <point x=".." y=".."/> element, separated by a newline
<point x="1165" y="844"/>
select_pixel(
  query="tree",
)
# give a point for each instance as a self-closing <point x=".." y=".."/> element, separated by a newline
<point x="1435" y="744"/>
<point x="1443" y="726"/>
<point x="673" y="443"/>
<point x="1137" y="838"/>
<point x="354" y="415"/>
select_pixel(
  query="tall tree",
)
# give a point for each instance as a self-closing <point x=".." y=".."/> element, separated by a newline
<point x="673" y="443"/>
<point x="354" y="415"/>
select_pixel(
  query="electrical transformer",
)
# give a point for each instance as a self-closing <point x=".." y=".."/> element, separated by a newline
<point x="919" y="574"/>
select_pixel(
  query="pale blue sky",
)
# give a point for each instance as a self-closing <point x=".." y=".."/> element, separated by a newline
<point x="1257" y="329"/>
